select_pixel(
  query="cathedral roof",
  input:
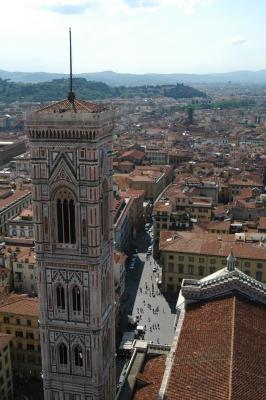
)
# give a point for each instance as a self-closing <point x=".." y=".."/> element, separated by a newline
<point x="74" y="106"/>
<point x="220" y="353"/>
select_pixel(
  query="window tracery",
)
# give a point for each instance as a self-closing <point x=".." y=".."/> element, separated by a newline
<point x="60" y="297"/>
<point x="65" y="212"/>
<point x="76" y="298"/>
<point x="62" y="354"/>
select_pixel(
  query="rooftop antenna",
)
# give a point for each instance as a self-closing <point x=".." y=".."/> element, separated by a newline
<point x="71" y="95"/>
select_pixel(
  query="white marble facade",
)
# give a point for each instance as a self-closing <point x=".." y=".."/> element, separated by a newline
<point x="71" y="153"/>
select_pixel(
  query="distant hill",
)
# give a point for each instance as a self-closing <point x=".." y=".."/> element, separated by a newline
<point x="58" y="89"/>
<point x="117" y="79"/>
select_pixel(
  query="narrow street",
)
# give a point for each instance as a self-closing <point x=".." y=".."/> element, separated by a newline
<point x="144" y="299"/>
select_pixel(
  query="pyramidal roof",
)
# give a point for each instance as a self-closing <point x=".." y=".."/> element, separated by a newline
<point x="72" y="106"/>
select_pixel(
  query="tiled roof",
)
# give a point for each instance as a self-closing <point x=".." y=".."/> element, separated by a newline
<point x="13" y="197"/>
<point x="209" y="244"/>
<point x="135" y="193"/>
<point x="149" y="380"/>
<point x="74" y="107"/>
<point x="220" y="353"/>
<point x="137" y="154"/>
<point x="20" y="305"/>
<point x="219" y="225"/>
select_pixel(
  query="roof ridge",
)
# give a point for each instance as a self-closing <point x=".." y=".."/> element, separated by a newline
<point x="232" y="349"/>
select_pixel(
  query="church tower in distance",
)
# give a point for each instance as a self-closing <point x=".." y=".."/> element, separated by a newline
<point x="71" y="153"/>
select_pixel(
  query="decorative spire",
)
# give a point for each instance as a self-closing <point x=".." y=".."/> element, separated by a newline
<point x="231" y="260"/>
<point x="71" y="94"/>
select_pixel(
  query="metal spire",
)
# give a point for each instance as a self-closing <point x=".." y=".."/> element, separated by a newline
<point x="71" y="95"/>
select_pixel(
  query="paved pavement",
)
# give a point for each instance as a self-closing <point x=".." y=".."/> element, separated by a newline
<point x="143" y="298"/>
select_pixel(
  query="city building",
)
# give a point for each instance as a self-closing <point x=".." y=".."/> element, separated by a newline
<point x="237" y="183"/>
<point x="122" y="223"/>
<point x="120" y="278"/>
<point x="23" y="164"/>
<point x="152" y="179"/>
<point x="5" y="279"/>
<point x="6" y="375"/>
<point x="19" y="317"/>
<point x="21" y="225"/>
<point x="71" y="154"/>
<point x="11" y="203"/>
<point x="137" y="212"/>
<point x="24" y="270"/>
<point x="194" y="255"/>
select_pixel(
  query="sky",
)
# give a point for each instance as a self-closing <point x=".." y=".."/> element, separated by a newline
<point x="133" y="36"/>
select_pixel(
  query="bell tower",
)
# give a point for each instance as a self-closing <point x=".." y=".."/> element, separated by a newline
<point x="71" y="153"/>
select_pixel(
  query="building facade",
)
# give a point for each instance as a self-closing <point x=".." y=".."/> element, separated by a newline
<point x="6" y="380"/>
<point x="21" y="225"/>
<point x="19" y="318"/>
<point x="71" y="152"/>
<point x="192" y="255"/>
<point x="11" y="203"/>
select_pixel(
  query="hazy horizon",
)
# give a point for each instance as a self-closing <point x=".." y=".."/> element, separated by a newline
<point x="134" y="73"/>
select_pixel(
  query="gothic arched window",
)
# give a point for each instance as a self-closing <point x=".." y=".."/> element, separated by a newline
<point x="65" y="210"/>
<point x="62" y="354"/>
<point x="60" y="297"/>
<point x="78" y="356"/>
<point x="76" y="301"/>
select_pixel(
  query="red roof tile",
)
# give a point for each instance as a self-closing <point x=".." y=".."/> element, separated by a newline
<point x="76" y="106"/>
<point x="20" y="305"/>
<point x="221" y="353"/>
<point x="149" y="380"/>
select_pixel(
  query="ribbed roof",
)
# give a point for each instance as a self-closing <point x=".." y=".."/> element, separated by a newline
<point x="74" y="106"/>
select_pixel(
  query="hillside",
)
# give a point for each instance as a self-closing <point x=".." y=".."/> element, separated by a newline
<point x="58" y="89"/>
<point x="121" y="79"/>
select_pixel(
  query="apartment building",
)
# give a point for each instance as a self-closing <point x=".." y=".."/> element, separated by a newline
<point x="152" y="179"/>
<point x="137" y="217"/>
<point x="24" y="273"/>
<point x="237" y="183"/>
<point x="6" y="376"/>
<point x="195" y="255"/>
<point x="19" y="317"/>
<point x="122" y="223"/>
<point x="176" y="208"/>
<point x="11" y="203"/>
<point x="21" y="225"/>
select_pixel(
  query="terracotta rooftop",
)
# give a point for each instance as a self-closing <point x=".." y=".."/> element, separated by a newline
<point x="74" y="107"/>
<point x="149" y="380"/>
<point x="219" y="225"/>
<point x="136" y="154"/>
<point x="221" y="352"/>
<point x="135" y="193"/>
<point x="13" y="197"/>
<point x="19" y="304"/>
<point x="209" y="244"/>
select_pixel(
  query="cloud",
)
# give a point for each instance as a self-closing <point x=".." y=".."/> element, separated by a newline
<point x="68" y="7"/>
<point x="236" y="40"/>
<point x="130" y="7"/>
